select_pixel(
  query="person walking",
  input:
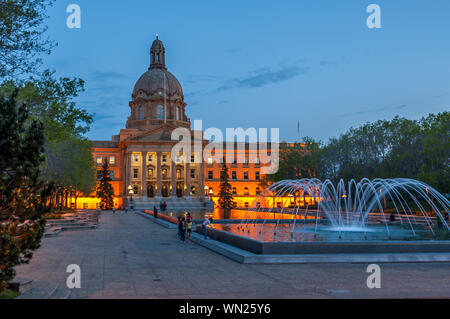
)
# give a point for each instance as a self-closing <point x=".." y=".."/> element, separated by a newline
<point x="179" y="222"/>
<point x="189" y="229"/>
<point x="183" y="230"/>
<point x="392" y="217"/>
<point x="164" y="206"/>
<point x="155" y="212"/>
<point x="161" y="205"/>
<point x="205" y="224"/>
<point x="114" y="209"/>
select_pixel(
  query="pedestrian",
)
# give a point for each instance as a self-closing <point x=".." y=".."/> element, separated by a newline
<point x="179" y="222"/>
<point x="161" y="205"/>
<point x="188" y="217"/>
<point x="182" y="227"/>
<point x="155" y="212"/>
<point x="164" y="206"/>
<point x="114" y="209"/>
<point x="126" y="208"/>
<point x="206" y="222"/>
<point x="189" y="228"/>
<point x="392" y="217"/>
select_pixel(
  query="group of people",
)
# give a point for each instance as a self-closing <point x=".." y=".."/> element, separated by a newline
<point x="185" y="225"/>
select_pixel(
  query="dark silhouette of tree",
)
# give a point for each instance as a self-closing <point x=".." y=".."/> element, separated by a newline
<point x="105" y="189"/>
<point x="226" y="202"/>
<point x="23" y="195"/>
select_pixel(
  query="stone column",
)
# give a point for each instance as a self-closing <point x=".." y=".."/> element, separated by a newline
<point x="129" y="172"/>
<point x="188" y="177"/>
<point x="124" y="176"/>
<point x="173" y="170"/>
<point x="202" y="179"/>
<point x="159" y="175"/>
<point x="144" y="174"/>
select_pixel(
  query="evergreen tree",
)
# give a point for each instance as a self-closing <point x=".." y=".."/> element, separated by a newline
<point x="226" y="202"/>
<point x="22" y="193"/>
<point x="105" y="189"/>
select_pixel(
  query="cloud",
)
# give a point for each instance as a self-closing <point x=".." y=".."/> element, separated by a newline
<point x="380" y="109"/>
<point x="108" y="75"/>
<point x="263" y="77"/>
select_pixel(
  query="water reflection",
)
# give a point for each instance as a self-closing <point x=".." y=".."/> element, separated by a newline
<point x="271" y="232"/>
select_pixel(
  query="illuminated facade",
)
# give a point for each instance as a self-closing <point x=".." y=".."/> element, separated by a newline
<point x="140" y="157"/>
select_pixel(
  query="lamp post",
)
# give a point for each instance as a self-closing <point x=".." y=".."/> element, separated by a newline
<point x="206" y="190"/>
<point x="211" y="193"/>
<point x="130" y="191"/>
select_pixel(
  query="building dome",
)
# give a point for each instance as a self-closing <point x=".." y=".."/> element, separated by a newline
<point x="157" y="79"/>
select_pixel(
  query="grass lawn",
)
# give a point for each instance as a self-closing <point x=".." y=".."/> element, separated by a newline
<point x="8" y="294"/>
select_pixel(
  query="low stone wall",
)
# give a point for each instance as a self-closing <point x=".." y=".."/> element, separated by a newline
<point x="172" y="220"/>
<point x="306" y="248"/>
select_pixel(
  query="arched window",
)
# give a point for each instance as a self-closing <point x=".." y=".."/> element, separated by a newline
<point x="141" y="113"/>
<point x="150" y="173"/>
<point x="160" y="112"/>
<point x="246" y="193"/>
<point x="178" y="113"/>
<point x="193" y="190"/>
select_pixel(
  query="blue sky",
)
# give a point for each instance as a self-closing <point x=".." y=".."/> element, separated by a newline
<point x="262" y="63"/>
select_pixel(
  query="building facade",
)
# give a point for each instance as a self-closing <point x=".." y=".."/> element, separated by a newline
<point x="140" y="156"/>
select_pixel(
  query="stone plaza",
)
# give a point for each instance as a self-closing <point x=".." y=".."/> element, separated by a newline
<point x="129" y="256"/>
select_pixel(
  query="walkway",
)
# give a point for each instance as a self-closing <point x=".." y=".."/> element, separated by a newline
<point x="128" y="256"/>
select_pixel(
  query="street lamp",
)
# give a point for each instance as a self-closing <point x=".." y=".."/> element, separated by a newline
<point x="130" y="191"/>
<point x="211" y="193"/>
<point x="206" y="190"/>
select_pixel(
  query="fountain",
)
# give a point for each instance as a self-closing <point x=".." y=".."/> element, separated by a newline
<point x="379" y="211"/>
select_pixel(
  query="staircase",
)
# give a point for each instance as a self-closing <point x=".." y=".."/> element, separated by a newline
<point x="174" y="204"/>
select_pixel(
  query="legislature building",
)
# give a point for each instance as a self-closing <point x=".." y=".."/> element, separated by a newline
<point x="140" y="157"/>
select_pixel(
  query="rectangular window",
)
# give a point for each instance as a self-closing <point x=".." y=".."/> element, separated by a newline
<point x="192" y="158"/>
<point x="233" y="175"/>
<point x="111" y="174"/>
<point x="210" y="160"/>
<point x="112" y="160"/>
<point x="192" y="173"/>
<point x="136" y="158"/>
<point x="85" y="205"/>
<point x="164" y="158"/>
<point x="210" y="175"/>
<point x="99" y="160"/>
<point x="150" y="158"/>
<point x="257" y="176"/>
<point x="246" y="176"/>
<point x="136" y="173"/>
